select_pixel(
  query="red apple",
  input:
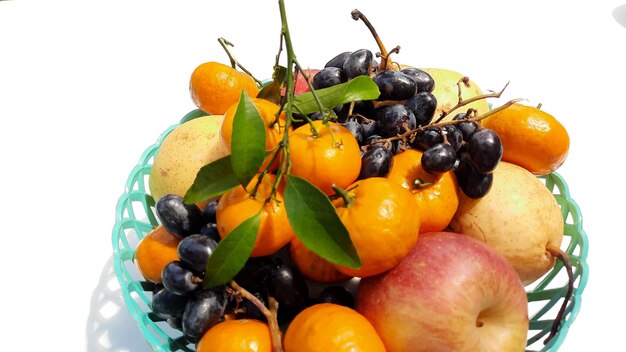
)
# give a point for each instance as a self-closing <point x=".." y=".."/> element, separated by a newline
<point x="451" y="293"/>
<point x="301" y="85"/>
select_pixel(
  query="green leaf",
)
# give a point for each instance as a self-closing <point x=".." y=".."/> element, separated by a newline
<point x="316" y="223"/>
<point x="193" y="114"/>
<point x="212" y="180"/>
<point x="358" y="88"/>
<point x="248" y="140"/>
<point x="272" y="91"/>
<point x="231" y="254"/>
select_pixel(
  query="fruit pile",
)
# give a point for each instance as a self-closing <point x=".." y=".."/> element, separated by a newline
<point x="363" y="206"/>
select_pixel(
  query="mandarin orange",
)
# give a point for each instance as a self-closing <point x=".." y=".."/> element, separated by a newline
<point x="214" y="87"/>
<point x="154" y="252"/>
<point x="437" y="196"/>
<point x="328" y="327"/>
<point x="242" y="335"/>
<point x="237" y="205"/>
<point x="330" y="157"/>
<point x="531" y="138"/>
<point x="383" y="221"/>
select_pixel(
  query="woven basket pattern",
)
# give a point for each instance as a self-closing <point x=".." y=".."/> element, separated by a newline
<point x="135" y="218"/>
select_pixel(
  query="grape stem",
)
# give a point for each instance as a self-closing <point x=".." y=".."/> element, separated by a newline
<point x="564" y="258"/>
<point x="384" y="55"/>
<point x="466" y="81"/>
<point x="407" y="134"/>
<point x="233" y="62"/>
<point x="270" y="314"/>
<point x="395" y="50"/>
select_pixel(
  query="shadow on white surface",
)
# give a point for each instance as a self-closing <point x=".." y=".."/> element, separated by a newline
<point x="110" y="327"/>
<point x="619" y="13"/>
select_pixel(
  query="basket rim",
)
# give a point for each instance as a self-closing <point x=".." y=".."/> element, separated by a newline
<point x="584" y="277"/>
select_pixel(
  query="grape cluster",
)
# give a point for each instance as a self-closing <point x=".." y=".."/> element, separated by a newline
<point x="399" y="119"/>
<point x="182" y="300"/>
<point x="187" y="306"/>
<point x="467" y="148"/>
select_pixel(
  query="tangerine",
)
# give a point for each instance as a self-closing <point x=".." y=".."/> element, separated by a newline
<point x="383" y="221"/>
<point x="237" y="205"/>
<point x="214" y="87"/>
<point x="531" y="138"/>
<point x="241" y="335"/>
<point x="274" y="128"/>
<point x="312" y="266"/>
<point x="437" y="196"/>
<point x="331" y="155"/>
<point x="154" y="252"/>
<point x="328" y="327"/>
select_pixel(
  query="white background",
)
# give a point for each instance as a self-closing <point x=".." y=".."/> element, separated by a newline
<point x="86" y="86"/>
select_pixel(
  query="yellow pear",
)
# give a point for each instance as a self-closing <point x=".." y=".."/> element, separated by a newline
<point x="519" y="217"/>
<point x="447" y="92"/>
<point x="183" y="152"/>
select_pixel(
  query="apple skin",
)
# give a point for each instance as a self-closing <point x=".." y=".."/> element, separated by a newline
<point x="301" y="85"/>
<point x="437" y="297"/>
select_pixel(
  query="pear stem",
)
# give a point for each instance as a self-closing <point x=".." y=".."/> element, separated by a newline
<point x="564" y="258"/>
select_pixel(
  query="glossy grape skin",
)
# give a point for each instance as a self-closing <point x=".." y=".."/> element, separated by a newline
<point x="376" y="162"/>
<point x="426" y="138"/>
<point x="358" y="63"/>
<point x="195" y="251"/>
<point x="466" y="128"/>
<point x="336" y="294"/>
<point x="423" y="80"/>
<point x="178" y="279"/>
<point x="454" y="136"/>
<point x="356" y="129"/>
<point x="372" y="138"/>
<point x="175" y="323"/>
<point x="369" y="128"/>
<point x="179" y="218"/>
<point x="289" y="288"/>
<point x="204" y="310"/>
<point x="471" y="182"/>
<point x="423" y="106"/>
<point x="167" y="304"/>
<point x="394" y="119"/>
<point x="209" y="212"/>
<point x="369" y="140"/>
<point x="339" y="60"/>
<point x="485" y="150"/>
<point x="394" y="85"/>
<point x="210" y="230"/>
<point x="328" y="77"/>
<point x="439" y="158"/>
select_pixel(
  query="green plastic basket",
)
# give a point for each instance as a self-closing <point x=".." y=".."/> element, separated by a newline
<point x="135" y="218"/>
